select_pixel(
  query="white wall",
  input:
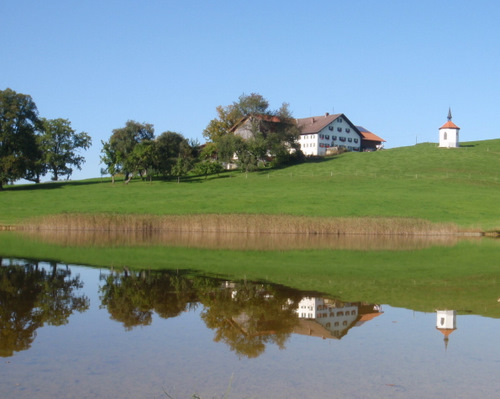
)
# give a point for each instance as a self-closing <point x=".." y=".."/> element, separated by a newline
<point x="448" y="137"/>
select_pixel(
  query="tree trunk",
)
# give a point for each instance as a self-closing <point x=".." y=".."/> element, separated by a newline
<point x="130" y="176"/>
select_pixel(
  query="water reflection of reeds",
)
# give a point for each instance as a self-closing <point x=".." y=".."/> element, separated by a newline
<point x="241" y="241"/>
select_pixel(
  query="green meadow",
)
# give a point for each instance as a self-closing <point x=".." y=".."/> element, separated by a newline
<point x="460" y="186"/>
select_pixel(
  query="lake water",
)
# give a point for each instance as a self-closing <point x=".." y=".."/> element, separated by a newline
<point x="79" y="332"/>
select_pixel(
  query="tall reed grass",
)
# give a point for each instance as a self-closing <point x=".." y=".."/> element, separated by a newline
<point x="240" y="223"/>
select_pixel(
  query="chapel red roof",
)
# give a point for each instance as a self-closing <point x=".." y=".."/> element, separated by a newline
<point x="446" y="331"/>
<point x="449" y="125"/>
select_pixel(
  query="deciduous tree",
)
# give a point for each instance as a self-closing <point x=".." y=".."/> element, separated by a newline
<point x="228" y="116"/>
<point x="19" y="125"/>
<point x="273" y="134"/>
<point x="168" y="146"/>
<point x="60" y="145"/>
<point x="117" y="152"/>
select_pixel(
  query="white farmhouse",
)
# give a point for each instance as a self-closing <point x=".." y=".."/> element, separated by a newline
<point x="319" y="134"/>
<point x="448" y="134"/>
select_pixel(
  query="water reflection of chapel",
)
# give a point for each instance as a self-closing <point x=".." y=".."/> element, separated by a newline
<point x="446" y="323"/>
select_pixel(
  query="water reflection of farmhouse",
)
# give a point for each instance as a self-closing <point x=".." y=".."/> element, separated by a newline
<point x="313" y="316"/>
<point x="327" y="318"/>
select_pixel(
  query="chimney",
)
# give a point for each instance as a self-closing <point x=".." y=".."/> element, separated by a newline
<point x="327" y="114"/>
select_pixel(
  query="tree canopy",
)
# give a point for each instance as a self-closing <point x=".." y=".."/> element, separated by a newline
<point x="134" y="149"/>
<point x="59" y="144"/>
<point x="19" y="126"/>
<point x="31" y="146"/>
<point x="254" y="133"/>
<point x="118" y="153"/>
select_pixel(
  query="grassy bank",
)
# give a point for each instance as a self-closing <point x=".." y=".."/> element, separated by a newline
<point x="463" y="277"/>
<point x="460" y="186"/>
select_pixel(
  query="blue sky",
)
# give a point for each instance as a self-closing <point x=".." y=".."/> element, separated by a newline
<point x="393" y="67"/>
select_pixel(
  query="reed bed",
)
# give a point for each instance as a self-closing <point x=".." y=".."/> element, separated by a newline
<point x="240" y="223"/>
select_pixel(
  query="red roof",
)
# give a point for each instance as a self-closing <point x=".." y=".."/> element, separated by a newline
<point x="369" y="136"/>
<point x="449" y="125"/>
<point x="446" y="331"/>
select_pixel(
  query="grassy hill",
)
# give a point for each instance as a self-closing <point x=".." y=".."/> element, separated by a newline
<point x="461" y="186"/>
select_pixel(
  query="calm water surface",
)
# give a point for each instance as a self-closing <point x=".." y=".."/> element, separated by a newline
<point x="77" y="332"/>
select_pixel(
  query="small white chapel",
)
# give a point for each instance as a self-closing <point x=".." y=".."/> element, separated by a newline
<point x="448" y="134"/>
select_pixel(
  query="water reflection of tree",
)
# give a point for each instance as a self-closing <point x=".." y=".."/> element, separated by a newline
<point x="131" y="298"/>
<point x="31" y="296"/>
<point x="245" y="316"/>
<point x="248" y="316"/>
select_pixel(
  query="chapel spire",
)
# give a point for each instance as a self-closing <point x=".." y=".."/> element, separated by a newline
<point x="449" y="114"/>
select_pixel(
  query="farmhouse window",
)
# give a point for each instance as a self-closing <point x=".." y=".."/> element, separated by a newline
<point x="347" y="129"/>
<point x="339" y="129"/>
<point x="330" y="127"/>
<point x="327" y="136"/>
<point x="355" y="140"/>
<point x="334" y="137"/>
<point x="342" y="138"/>
<point x="340" y="120"/>
<point x="349" y="140"/>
